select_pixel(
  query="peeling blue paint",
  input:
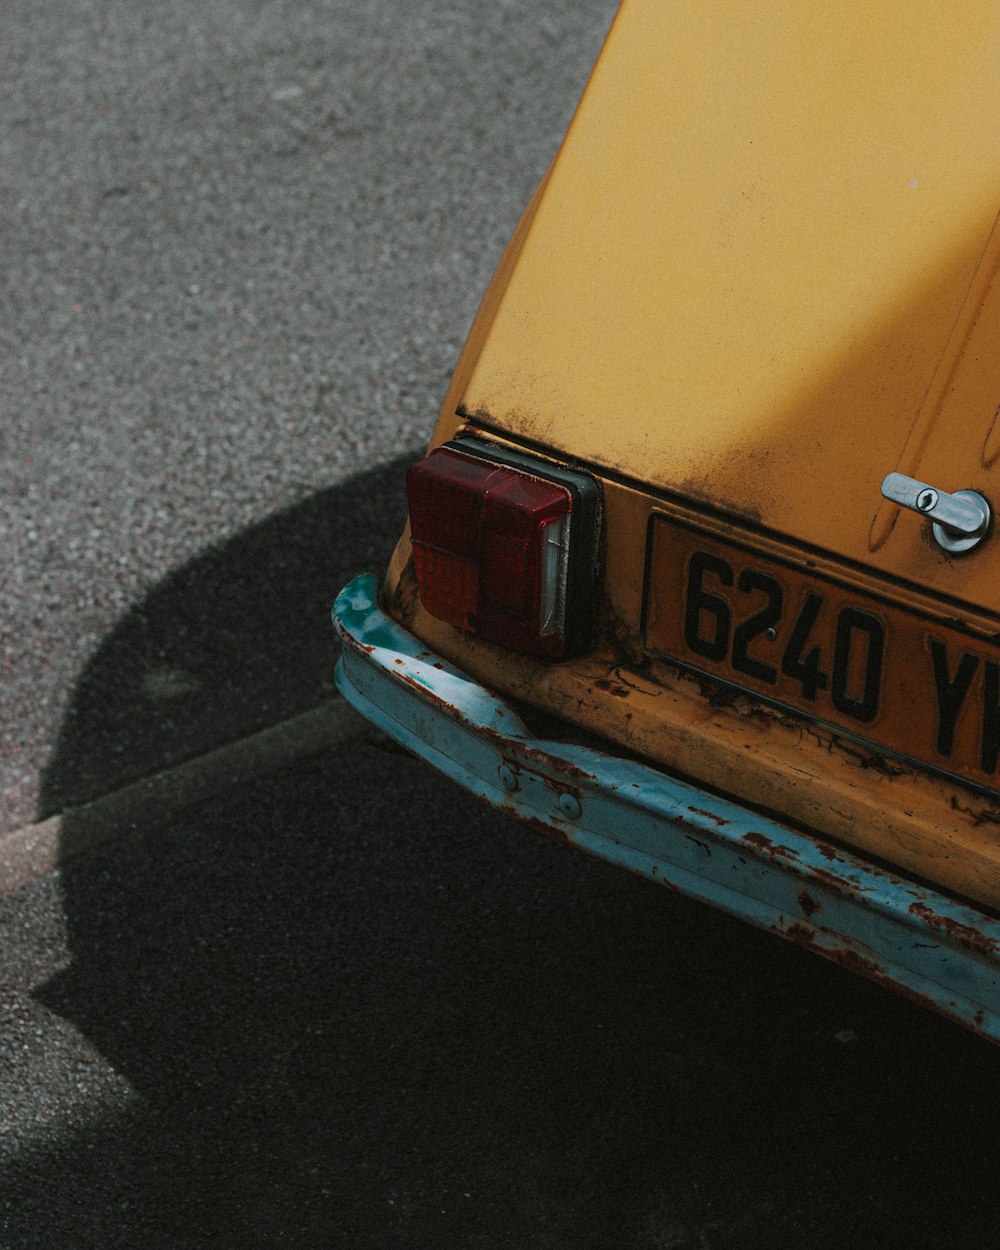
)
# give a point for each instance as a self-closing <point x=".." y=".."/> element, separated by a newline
<point x="928" y="946"/>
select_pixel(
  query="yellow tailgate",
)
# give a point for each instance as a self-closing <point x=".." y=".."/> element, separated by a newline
<point x="759" y="277"/>
<point x="752" y="276"/>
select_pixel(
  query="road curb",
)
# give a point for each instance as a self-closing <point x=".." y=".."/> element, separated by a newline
<point x="34" y="850"/>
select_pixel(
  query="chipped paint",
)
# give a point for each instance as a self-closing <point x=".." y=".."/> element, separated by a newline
<point x="613" y="687"/>
<point x="763" y="843"/>
<point x="552" y="832"/>
<point x="934" y="949"/>
<point x="806" y="938"/>
<point x="808" y="903"/>
<point x="964" y="934"/>
<point x="708" y="815"/>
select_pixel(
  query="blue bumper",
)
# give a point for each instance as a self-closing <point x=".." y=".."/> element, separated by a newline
<point x="924" y="944"/>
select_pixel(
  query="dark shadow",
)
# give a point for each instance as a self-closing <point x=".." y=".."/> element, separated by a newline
<point x="355" y="1008"/>
<point x="237" y="640"/>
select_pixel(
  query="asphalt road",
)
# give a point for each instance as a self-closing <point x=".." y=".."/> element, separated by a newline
<point x="242" y="243"/>
<point x="343" y="1004"/>
<point x="352" y="1007"/>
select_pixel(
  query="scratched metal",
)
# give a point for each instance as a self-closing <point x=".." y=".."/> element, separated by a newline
<point x="934" y="949"/>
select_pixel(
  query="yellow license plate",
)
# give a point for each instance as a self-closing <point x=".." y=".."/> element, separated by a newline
<point x="910" y="684"/>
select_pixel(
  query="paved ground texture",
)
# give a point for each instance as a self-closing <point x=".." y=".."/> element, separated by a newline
<point x="242" y="242"/>
<point x="335" y="1012"/>
<point x="340" y="1003"/>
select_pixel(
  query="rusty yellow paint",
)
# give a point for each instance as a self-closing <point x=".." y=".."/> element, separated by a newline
<point x="761" y="274"/>
<point x="756" y="271"/>
<point x="924" y="825"/>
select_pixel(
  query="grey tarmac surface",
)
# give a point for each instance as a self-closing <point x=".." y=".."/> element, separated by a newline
<point x="341" y="1004"/>
<point x="352" y="1007"/>
<point x="242" y="242"/>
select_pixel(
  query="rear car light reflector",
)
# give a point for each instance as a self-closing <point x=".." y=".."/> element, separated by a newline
<point x="502" y="546"/>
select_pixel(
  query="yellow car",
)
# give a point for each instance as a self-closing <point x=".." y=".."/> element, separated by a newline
<point x="700" y="574"/>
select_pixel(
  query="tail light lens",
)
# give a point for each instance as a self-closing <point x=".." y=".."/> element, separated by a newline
<point x="505" y="546"/>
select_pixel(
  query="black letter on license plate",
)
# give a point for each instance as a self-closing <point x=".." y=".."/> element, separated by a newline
<point x="951" y="694"/>
<point x="990" y="748"/>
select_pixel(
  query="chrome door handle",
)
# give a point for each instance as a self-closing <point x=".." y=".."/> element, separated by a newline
<point x="960" y="520"/>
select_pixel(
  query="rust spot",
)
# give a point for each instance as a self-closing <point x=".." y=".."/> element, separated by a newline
<point x="525" y="426"/>
<point x="564" y="767"/>
<point x="842" y="885"/>
<point x="986" y="816"/>
<point x="808" y="903"/>
<point x="844" y="957"/>
<point x="717" y="697"/>
<point x="763" y="843"/>
<point x="560" y="787"/>
<point x="405" y="599"/>
<point x="963" y="935"/>
<point x="637" y="677"/>
<point x="857" y="754"/>
<point x="409" y="680"/>
<point x="827" y="851"/>
<point x="759" y="840"/>
<point x="708" y="815"/>
<point x="539" y="826"/>
<point x="612" y="687"/>
<point x="708" y="493"/>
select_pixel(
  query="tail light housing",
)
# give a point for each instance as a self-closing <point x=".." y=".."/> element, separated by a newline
<point x="505" y="546"/>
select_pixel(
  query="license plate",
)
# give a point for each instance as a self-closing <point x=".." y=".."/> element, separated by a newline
<point x="901" y="681"/>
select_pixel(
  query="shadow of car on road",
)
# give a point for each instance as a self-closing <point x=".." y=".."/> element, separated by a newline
<point x="356" y="1008"/>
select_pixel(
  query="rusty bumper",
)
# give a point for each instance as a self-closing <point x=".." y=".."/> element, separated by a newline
<point x="931" y="948"/>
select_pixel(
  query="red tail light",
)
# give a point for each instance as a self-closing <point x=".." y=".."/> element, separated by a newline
<point x="499" y="545"/>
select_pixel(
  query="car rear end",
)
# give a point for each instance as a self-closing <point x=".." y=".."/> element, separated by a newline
<point x="758" y="279"/>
